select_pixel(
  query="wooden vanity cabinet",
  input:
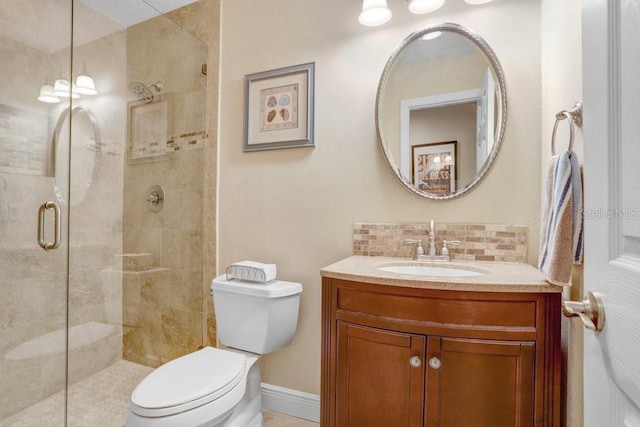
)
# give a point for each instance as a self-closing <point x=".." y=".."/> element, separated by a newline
<point x="397" y="356"/>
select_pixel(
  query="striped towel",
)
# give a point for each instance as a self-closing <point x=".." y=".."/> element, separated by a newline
<point x="561" y="242"/>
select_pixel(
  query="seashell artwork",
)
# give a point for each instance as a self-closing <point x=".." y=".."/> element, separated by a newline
<point x="278" y="108"/>
<point x="285" y="100"/>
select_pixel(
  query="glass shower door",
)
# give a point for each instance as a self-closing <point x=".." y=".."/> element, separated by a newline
<point x="135" y="269"/>
<point x="120" y="288"/>
<point x="35" y="51"/>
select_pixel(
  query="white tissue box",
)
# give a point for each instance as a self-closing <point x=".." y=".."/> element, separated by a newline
<point x="252" y="271"/>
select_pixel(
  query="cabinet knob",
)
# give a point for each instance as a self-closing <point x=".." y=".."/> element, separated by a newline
<point x="435" y="363"/>
<point x="415" y="362"/>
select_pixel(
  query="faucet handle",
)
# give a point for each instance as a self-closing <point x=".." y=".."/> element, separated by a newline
<point x="445" y="249"/>
<point x="418" y="243"/>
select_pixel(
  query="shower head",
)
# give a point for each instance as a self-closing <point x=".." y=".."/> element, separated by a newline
<point x="143" y="92"/>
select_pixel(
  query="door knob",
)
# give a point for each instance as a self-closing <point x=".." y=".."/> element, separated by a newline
<point x="590" y="310"/>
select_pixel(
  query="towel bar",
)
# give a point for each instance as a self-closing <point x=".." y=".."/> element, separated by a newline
<point x="574" y="116"/>
<point x="575" y="113"/>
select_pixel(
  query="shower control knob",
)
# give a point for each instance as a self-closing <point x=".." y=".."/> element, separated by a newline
<point x="155" y="198"/>
<point x="415" y="362"/>
<point x="435" y="363"/>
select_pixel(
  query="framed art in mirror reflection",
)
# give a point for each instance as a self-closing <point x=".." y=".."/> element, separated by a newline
<point x="434" y="167"/>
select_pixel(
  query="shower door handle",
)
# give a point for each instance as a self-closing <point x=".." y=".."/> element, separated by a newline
<point x="57" y="226"/>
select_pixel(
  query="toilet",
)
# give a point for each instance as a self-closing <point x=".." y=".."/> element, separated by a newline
<point x="221" y="387"/>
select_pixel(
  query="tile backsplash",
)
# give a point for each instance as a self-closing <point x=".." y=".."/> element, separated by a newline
<point x="478" y="242"/>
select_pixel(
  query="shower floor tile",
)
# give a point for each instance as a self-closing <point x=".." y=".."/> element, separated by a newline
<point x="102" y="401"/>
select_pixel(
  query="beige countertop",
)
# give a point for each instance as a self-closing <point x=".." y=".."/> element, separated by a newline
<point x="496" y="277"/>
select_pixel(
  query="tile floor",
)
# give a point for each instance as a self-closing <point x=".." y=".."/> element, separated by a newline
<point x="273" y="419"/>
<point x="102" y="401"/>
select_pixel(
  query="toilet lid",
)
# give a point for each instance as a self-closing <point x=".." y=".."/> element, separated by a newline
<point x="188" y="381"/>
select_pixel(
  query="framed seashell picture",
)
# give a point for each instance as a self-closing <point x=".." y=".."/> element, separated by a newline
<point x="279" y="108"/>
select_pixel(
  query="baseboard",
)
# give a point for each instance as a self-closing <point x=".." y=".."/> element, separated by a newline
<point x="291" y="402"/>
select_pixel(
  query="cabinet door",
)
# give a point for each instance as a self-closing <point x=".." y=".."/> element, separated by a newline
<point x="479" y="383"/>
<point x="380" y="377"/>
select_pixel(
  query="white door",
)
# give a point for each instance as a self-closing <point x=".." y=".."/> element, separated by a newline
<point x="485" y="122"/>
<point x="611" y="78"/>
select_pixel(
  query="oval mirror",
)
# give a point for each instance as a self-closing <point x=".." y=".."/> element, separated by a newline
<point x="85" y="136"/>
<point x="441" y="110"/>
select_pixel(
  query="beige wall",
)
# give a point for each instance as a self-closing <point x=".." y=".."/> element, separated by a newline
<point x="297" y="207"/>
<point x="561" y="88"/>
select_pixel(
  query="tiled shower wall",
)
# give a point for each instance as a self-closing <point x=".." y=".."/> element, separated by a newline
<point x="202" y="19"/>
<point x="478" y="242"/>
<point x="163" y="299"/>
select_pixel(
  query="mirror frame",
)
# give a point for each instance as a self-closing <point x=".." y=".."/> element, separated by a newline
<point x="69" y="112"/>
<point x="501" y="123"/>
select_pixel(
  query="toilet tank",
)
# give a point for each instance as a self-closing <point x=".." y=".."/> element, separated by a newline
<point x="259" y="318"/>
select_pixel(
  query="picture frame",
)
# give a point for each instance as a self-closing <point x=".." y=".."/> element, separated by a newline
<point x="278" y="108"/>
<point x="148" y="130"/>
<point x="433" y="167"/>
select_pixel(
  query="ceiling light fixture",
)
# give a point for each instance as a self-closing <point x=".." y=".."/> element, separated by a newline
<point x="374" y="12"/>
<point x="85" y="85"/>
<point x="46" y="95"/>
<point x="63" y="88"/>
<point x="420" y="7"/>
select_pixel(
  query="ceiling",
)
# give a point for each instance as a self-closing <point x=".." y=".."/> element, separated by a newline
<point x="45" y="25"/>
<point x="131" y="12"/>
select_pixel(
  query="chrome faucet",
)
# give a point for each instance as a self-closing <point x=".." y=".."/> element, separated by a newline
<point x="432" y="255"/>
<point x="432" y="239"/>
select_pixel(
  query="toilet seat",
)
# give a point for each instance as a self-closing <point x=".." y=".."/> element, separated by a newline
<point x="188" y="382"/>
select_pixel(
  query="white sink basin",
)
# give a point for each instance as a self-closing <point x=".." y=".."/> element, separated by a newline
<point x="424" y="270"/>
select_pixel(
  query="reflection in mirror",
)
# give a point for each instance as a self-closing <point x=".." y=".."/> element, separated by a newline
<point x="86" y="136"/>
<point x="441" y="110"/>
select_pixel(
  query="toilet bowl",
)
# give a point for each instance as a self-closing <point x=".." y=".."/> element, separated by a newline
<point x="216" y="387"/>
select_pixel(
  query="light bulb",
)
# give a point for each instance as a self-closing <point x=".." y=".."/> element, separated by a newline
<point x="62" y="88"/>
<point x="374" y="12"/>
<point x="85" y="85"/>
<point x="432" y="35"/>
<point x="46" y="95"/>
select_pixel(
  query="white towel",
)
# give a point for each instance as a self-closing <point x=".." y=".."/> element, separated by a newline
<point x="246" y="270"/>
<point x="561" y="243"/>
